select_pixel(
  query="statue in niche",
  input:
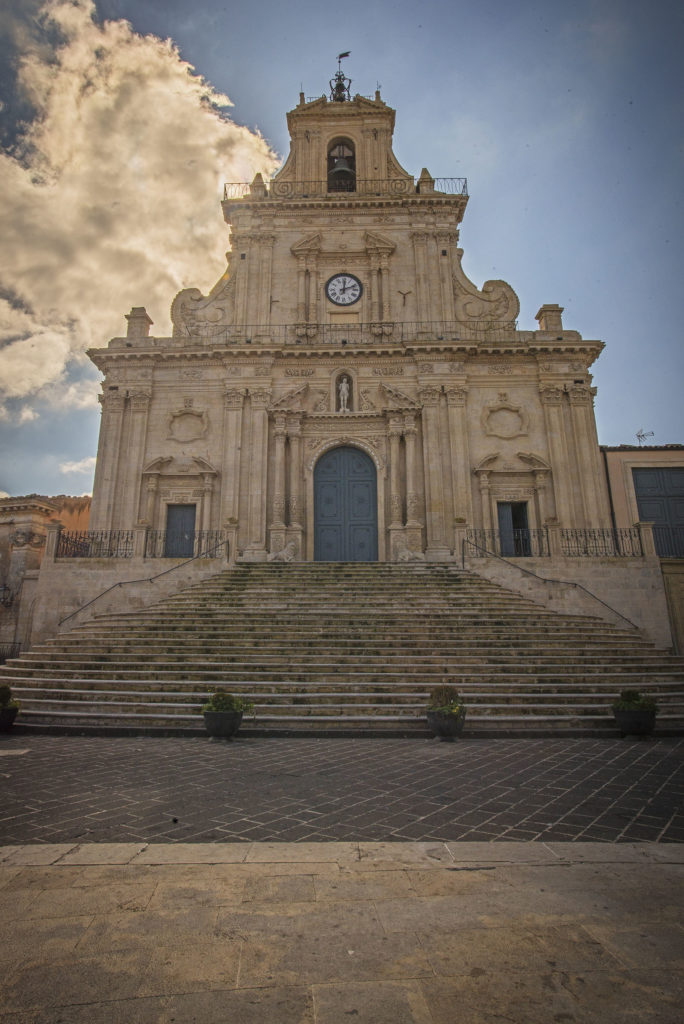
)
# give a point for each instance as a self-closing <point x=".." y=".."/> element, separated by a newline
<point x="344" y="394"/>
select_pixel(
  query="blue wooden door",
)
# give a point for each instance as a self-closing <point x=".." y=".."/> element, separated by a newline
<point x="180" y="531"/>
<point x="345" y="507"/>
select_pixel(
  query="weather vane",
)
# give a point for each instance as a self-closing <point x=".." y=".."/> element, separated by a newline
<point x="339" y="85"/>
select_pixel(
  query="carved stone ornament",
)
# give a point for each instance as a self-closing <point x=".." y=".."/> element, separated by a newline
<point x="188" y="425"/>
<point x="504" y="369"/>
<point x="394" y="370"/>
<point x="395" y="399"/>
<point x="496" y="301"/>
<point x="504" y="419"/>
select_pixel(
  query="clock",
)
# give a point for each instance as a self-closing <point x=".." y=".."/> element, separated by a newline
<point x="344" y="289"/>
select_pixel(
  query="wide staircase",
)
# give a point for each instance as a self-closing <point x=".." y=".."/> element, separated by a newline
<point x="344" y="649"/>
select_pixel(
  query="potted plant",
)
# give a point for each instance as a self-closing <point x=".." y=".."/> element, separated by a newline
<point x="223" y="714"/>
<point x="446" y="713"/>
<point x="8" y="708"/>
<point x="634" y="713"/>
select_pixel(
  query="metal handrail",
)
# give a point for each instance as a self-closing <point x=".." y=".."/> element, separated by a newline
<point x="546" y="579"/>
<point x="144" y="579"/>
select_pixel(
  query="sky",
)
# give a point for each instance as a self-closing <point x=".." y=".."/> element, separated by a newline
<point x="121" y="119"/>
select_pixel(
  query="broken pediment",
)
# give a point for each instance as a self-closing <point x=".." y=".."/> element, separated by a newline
<point x="377" y="243"/>
<point x="308" y="245"/>
<point x="392" y="399"/>
<point x="291" y="401"/>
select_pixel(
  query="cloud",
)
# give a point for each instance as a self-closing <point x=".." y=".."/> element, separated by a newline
<point x="86" y="465"/>
<point x="112" y="200"/>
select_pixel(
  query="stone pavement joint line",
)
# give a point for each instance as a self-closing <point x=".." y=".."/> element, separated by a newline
<point x="319" y="933"/>
<point x="187" y="790"/>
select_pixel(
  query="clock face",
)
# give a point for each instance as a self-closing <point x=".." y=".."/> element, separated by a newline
<point x="344" y="289"/>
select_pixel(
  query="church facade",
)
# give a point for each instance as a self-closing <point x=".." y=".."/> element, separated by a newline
<point x="346" y="393"/>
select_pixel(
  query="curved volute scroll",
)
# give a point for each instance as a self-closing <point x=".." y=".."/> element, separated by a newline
<point x="495" y="302"/>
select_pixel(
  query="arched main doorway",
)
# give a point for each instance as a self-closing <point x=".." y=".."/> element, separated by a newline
<point x="345" y="507"/>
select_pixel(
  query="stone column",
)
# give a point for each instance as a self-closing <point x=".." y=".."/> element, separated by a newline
<point x="129" y="509"/>
<point x="541" y="477"/>
<point x="314" y="297"/>
<point x="374" y="312"/>
<point x="52" y="533"/>
<point x="419" y="239"/>
<point x="294" y="432"/>
<point x="230" y="474"/>
<point x="266" y="242"/>
<point x="384" y="279"/>
<point x="444" y="243"/>
<point x="395" y="430"/>
<point x="459" y="450"/>
<point x="486" y="497"/>
<point x="108" y="449"/>
<point x="152" y="488"/>
<point x="301" y="290"/>
<point x="256" y="548"/>
<point x="589" y="468"/>
<point x="412" y="497"/>
<point x="207" y="491"/>
<point x="279" y="435"/>
<point x="437" y="547"/>
<point x="552" y="399"/>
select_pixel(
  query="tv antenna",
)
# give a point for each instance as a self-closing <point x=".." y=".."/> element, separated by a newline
<point x="641" y="436"/>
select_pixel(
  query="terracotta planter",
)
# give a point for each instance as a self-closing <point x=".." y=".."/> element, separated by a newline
<point x="222" y="724"/>
<point x="445" y="725"/>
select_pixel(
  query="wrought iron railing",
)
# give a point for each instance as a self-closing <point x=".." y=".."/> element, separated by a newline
<point x="616" y="543"/>
<point x="194" y="544"/>
<point x="669" y="541"/>
<point x="362" y="334"/>
<point x="385" y="187"/>
<point x="510" y="544"/>
<point x="9" y="650"/>
<point x="95" y="544"/>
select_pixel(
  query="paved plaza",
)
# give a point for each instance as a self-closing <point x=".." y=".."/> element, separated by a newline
<point x="158" y="881"/>
<point x="64" y="789"/>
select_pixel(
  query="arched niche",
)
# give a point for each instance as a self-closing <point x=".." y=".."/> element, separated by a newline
<point x="341" y="166"/>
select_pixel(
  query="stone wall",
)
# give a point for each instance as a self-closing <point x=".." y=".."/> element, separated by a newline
<point x="66" y="585"/>
<point x="631" y="587"/>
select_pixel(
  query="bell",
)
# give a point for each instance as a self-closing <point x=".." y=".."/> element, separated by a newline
<point x="341" y="167"/>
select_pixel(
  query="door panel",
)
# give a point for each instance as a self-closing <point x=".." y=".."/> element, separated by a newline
<point x="345" y="507"/>
<point x="180" y="531"/>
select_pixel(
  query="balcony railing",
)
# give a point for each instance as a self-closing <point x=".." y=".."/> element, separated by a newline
<point x="95" y="544"/>
<point x="361" y="334"/>
<point x="186" y="544"/>
<point x="622" y="543"/>
<point x="575" y="543"/>
<point x="510" y="543"/>
<point x="669" y="541"/>
<point x="366" y="187"/>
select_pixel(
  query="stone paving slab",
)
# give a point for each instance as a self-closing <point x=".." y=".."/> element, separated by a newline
<point x="142" y="790"/>
<point x="479" y="932"/>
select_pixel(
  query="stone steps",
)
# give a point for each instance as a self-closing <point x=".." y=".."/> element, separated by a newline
<point x="327" y="648"/>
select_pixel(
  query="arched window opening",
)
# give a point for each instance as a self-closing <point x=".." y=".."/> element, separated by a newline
<point x="341" y="166"/>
